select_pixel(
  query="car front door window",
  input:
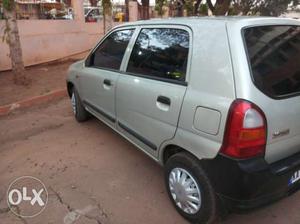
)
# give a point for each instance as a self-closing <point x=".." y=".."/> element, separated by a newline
<point x="110" y="53"/>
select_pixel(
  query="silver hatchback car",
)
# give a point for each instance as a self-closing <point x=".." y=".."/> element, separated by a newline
<point x="216" y="101"/>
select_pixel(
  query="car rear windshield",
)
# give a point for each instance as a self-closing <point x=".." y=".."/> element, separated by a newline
<point x="274" y="55"/>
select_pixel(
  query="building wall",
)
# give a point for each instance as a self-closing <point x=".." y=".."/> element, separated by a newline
<point x="48" y="40"/>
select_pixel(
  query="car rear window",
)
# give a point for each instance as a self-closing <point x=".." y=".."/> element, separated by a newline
<point x="160" y="53"/>
<point x="274" y="55"/>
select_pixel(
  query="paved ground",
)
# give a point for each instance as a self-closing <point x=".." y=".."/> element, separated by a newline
<point x="89" y="167"/>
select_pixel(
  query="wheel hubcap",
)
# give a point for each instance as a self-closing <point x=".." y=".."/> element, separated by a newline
<point x="73" y="101"/>
<point x="185" y="190"/>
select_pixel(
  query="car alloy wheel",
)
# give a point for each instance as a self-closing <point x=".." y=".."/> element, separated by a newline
<point x="73" y="102"/>
<point x="185" y="191"/>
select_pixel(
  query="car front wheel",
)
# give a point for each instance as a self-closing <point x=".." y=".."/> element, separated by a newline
<point x="78" y="109"/>
<point x="190" y="190"/>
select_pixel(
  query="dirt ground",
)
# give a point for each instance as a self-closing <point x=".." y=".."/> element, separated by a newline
<point x="88" y="165"/>
<point x="44" y="78"/>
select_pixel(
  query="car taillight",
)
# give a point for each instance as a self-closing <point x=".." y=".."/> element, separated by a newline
<point x="246" y="131"/>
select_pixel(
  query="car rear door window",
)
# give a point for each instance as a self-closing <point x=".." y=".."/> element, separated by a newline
<point x="111" y="51"/>
<point x="160" y="53"/>
<point x="274" y="55"/>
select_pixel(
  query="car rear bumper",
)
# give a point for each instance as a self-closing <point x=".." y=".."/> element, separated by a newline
<point x="247" y="184"/>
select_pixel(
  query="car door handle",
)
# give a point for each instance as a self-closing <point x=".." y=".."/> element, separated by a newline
<point x="164" y="100"/>
<point x="107" y="82"/>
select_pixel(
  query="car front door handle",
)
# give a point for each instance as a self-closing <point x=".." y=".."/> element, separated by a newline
<point x="107" y="82"/>
<point x="164" y="100"/>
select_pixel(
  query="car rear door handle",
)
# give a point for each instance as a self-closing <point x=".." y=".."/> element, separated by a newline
<point x="107" y="82"/>
<point x="164" y="100"/>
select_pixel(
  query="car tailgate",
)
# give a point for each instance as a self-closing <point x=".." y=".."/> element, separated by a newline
<point x="283" y="129"/>
<point x="274" y="60"/>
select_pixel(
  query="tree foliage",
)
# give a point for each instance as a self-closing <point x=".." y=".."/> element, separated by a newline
<point x="203" y="10"/>
<point x="264" y="8"/>
<point x="189" y="7"/>
<point x="232" y="7"/>
<point x="8" y="4"/>
<point x="159" y="6"/>
<point x="107" y="6"/>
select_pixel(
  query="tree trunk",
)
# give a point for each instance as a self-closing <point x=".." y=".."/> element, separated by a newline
<point x="104" y="24"/>
<point x="210" y="5"/>
<point x="107" y="20"/>
<point x="126" y="10"/>
<point x="93" y="3"/>
<point x="222" y="7"/>
<point x="107" y="15"/>
<point x="145" y="9"/>
<point x="15" y="50"/>
<point x="179" y="7"/>
<point x="196" y="9"/>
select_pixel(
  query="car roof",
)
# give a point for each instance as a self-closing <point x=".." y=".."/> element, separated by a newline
<point x="192" y="21"/>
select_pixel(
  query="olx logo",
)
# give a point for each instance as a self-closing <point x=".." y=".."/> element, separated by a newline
<point x="27" y="196"/>
<point x="23" y="196"/>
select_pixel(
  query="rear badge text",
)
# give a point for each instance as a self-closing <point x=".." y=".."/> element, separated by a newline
<point x="295" y="178"/>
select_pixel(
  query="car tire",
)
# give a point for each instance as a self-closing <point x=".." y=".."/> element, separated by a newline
<point x="79" y="111"/>
<point x="206" y="209"/>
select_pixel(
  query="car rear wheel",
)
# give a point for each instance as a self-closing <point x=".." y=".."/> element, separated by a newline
<point x="78" y="109"/>
<point x="190" y="190"/>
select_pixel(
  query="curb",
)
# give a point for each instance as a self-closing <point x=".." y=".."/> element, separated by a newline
<point x="36" y="100"/>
